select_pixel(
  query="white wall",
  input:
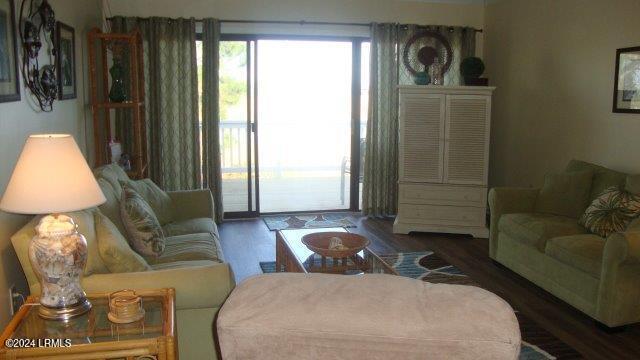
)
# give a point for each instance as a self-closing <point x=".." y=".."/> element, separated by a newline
<point x="553" y="64"/>
<point x="412" y="11"/>
<point x="20" y="119"/>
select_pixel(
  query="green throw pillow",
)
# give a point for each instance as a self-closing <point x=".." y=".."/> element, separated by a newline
<point x="565" y="194"/>
<point x="611" y="212"/>
<point x="157" y="198"/>
<point x="143" y="228"/>
<point x="114" y="249"/>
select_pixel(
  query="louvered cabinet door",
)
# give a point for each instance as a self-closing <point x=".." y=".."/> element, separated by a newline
<point x="422" y="137"/>
<point x="467" y="139"/>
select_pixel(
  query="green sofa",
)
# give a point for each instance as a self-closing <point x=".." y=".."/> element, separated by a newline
<point x="192" y="263"/>
<point x="600" y="277"/>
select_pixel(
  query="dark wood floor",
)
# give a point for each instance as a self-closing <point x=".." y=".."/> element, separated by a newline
<point x="247" y="242"/>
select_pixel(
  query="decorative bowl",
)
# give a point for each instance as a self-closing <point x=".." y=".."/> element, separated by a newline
<point x="319" y="243"/>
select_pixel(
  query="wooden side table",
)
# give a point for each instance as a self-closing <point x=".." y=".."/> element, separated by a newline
<point x="92" y="336"/>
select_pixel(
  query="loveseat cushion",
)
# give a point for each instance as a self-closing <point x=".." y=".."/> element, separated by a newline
<point x="602" y="177"/>
<point x="201" y="246"/>
<point x="191" y="226"/>
<point x="583" y="252"/>
<point x="535" y="229"/>
<point x="565" y="194"/>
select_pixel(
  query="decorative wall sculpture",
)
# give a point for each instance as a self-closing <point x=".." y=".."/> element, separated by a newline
<point x="37" y="27"/>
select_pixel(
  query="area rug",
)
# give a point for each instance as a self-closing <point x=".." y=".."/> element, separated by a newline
<point x="308" y="221"/>
<point x="537" y="343"/>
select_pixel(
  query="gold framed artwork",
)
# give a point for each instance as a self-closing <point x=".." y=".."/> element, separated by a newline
<point x="9" y="83"/>
<point x="626" y="89"/>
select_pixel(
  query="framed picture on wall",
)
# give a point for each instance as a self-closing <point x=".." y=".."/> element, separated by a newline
<point x="626" y="89"/>
<point x="66" y="61"/>
<point x="9" y="83"/>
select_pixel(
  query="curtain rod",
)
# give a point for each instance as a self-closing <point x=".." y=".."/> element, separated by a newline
<point x="301" y="22"/>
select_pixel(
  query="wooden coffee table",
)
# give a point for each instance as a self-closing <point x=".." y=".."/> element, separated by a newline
<point x="293" y="256"/>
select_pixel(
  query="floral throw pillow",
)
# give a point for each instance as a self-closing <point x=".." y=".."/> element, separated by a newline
<point x="143" y="228"/>
<point x="611" y="211"/>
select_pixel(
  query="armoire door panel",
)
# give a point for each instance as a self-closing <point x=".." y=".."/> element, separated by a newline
<point x="422" y="131"/>
<point x="467" y="139"/>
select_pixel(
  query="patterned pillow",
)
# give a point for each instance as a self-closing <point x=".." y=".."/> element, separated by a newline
<point x="142" y="225"/>
<point x="611" y="211"/>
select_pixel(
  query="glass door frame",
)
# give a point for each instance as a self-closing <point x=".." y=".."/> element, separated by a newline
<point x="253" y="119"/>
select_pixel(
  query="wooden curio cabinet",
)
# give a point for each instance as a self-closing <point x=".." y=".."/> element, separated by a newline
<point x="104" y="48"/>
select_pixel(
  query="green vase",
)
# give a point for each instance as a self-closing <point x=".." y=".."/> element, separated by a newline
<point x="117" y="92"/>
<point x="422" y="78"/>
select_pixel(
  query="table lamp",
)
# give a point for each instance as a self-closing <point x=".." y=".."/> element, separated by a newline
<point x="52" y="177"/>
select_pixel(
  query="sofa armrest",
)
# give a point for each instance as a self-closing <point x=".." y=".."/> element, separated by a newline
<point x="620" y="280"/>
<point x="197" y="287"/>
<point x="508" y="200"/>
<point x="189" y="204"/>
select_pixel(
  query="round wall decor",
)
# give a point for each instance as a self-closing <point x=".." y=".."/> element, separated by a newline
<point x="428" y="54"/>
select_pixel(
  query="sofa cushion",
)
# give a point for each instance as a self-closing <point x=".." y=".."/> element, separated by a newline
<point x="583" y="252"/>
<point x="201" y="246"/>
<point x="611" y="212"/>
<point x="157" y="198"/>
<point x="191" y="226"/>
<point x="371" y="316"/>
<point x="143" y="228"/>
<point x="114" y="249"/>
<point x="111" y="207"/>
<point x="113" y="174"/>
<point x="183" y="264"/>
<point x="602" y="177"/>
<point x="535" y="229"/>
<point x="565" y="194"/>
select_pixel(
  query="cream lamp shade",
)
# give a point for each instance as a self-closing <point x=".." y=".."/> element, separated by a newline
<point x="51" y="176"/>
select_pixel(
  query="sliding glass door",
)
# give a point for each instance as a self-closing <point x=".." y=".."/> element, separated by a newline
<point x="304" y="107"/>
<point x="237" y="128"/>
<point x="306" y="95"/>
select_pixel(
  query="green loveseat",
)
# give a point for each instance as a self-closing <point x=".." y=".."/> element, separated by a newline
<point x="600" y="277"/>
<point x="192" y="262"/>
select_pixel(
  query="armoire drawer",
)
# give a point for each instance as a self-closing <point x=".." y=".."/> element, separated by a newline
<point x="443" y="195"/>
<point x="442" y="215"/>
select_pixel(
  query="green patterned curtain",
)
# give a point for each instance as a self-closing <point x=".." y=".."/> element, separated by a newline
<point x="210" y="113"/>
<point x="387" y="71"/>
<point x="171" y="100"/>
<point x="379" y="190"/>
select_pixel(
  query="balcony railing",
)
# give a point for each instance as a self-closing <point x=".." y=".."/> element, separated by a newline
<point x="233" y="139"/>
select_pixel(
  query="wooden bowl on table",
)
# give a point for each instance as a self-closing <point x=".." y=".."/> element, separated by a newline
<point x="319" y="243"/>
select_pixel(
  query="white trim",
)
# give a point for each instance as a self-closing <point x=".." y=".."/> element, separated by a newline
<point x="295" y="29"/>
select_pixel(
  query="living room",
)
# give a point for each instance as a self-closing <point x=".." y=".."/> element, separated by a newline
<point x="461" y="171"/>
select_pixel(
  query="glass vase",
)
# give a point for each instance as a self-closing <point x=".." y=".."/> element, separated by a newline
<point x="58" y="255"/>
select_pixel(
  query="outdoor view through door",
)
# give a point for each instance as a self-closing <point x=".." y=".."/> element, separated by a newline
<point x="293" y="119"/>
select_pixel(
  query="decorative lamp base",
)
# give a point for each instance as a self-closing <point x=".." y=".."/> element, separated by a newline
<point x="65" y="313"/>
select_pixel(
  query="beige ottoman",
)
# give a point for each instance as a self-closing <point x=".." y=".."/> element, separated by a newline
<point x="319" y="316"/>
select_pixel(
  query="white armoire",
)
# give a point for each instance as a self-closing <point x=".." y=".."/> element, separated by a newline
<point x="443" y="159"/>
